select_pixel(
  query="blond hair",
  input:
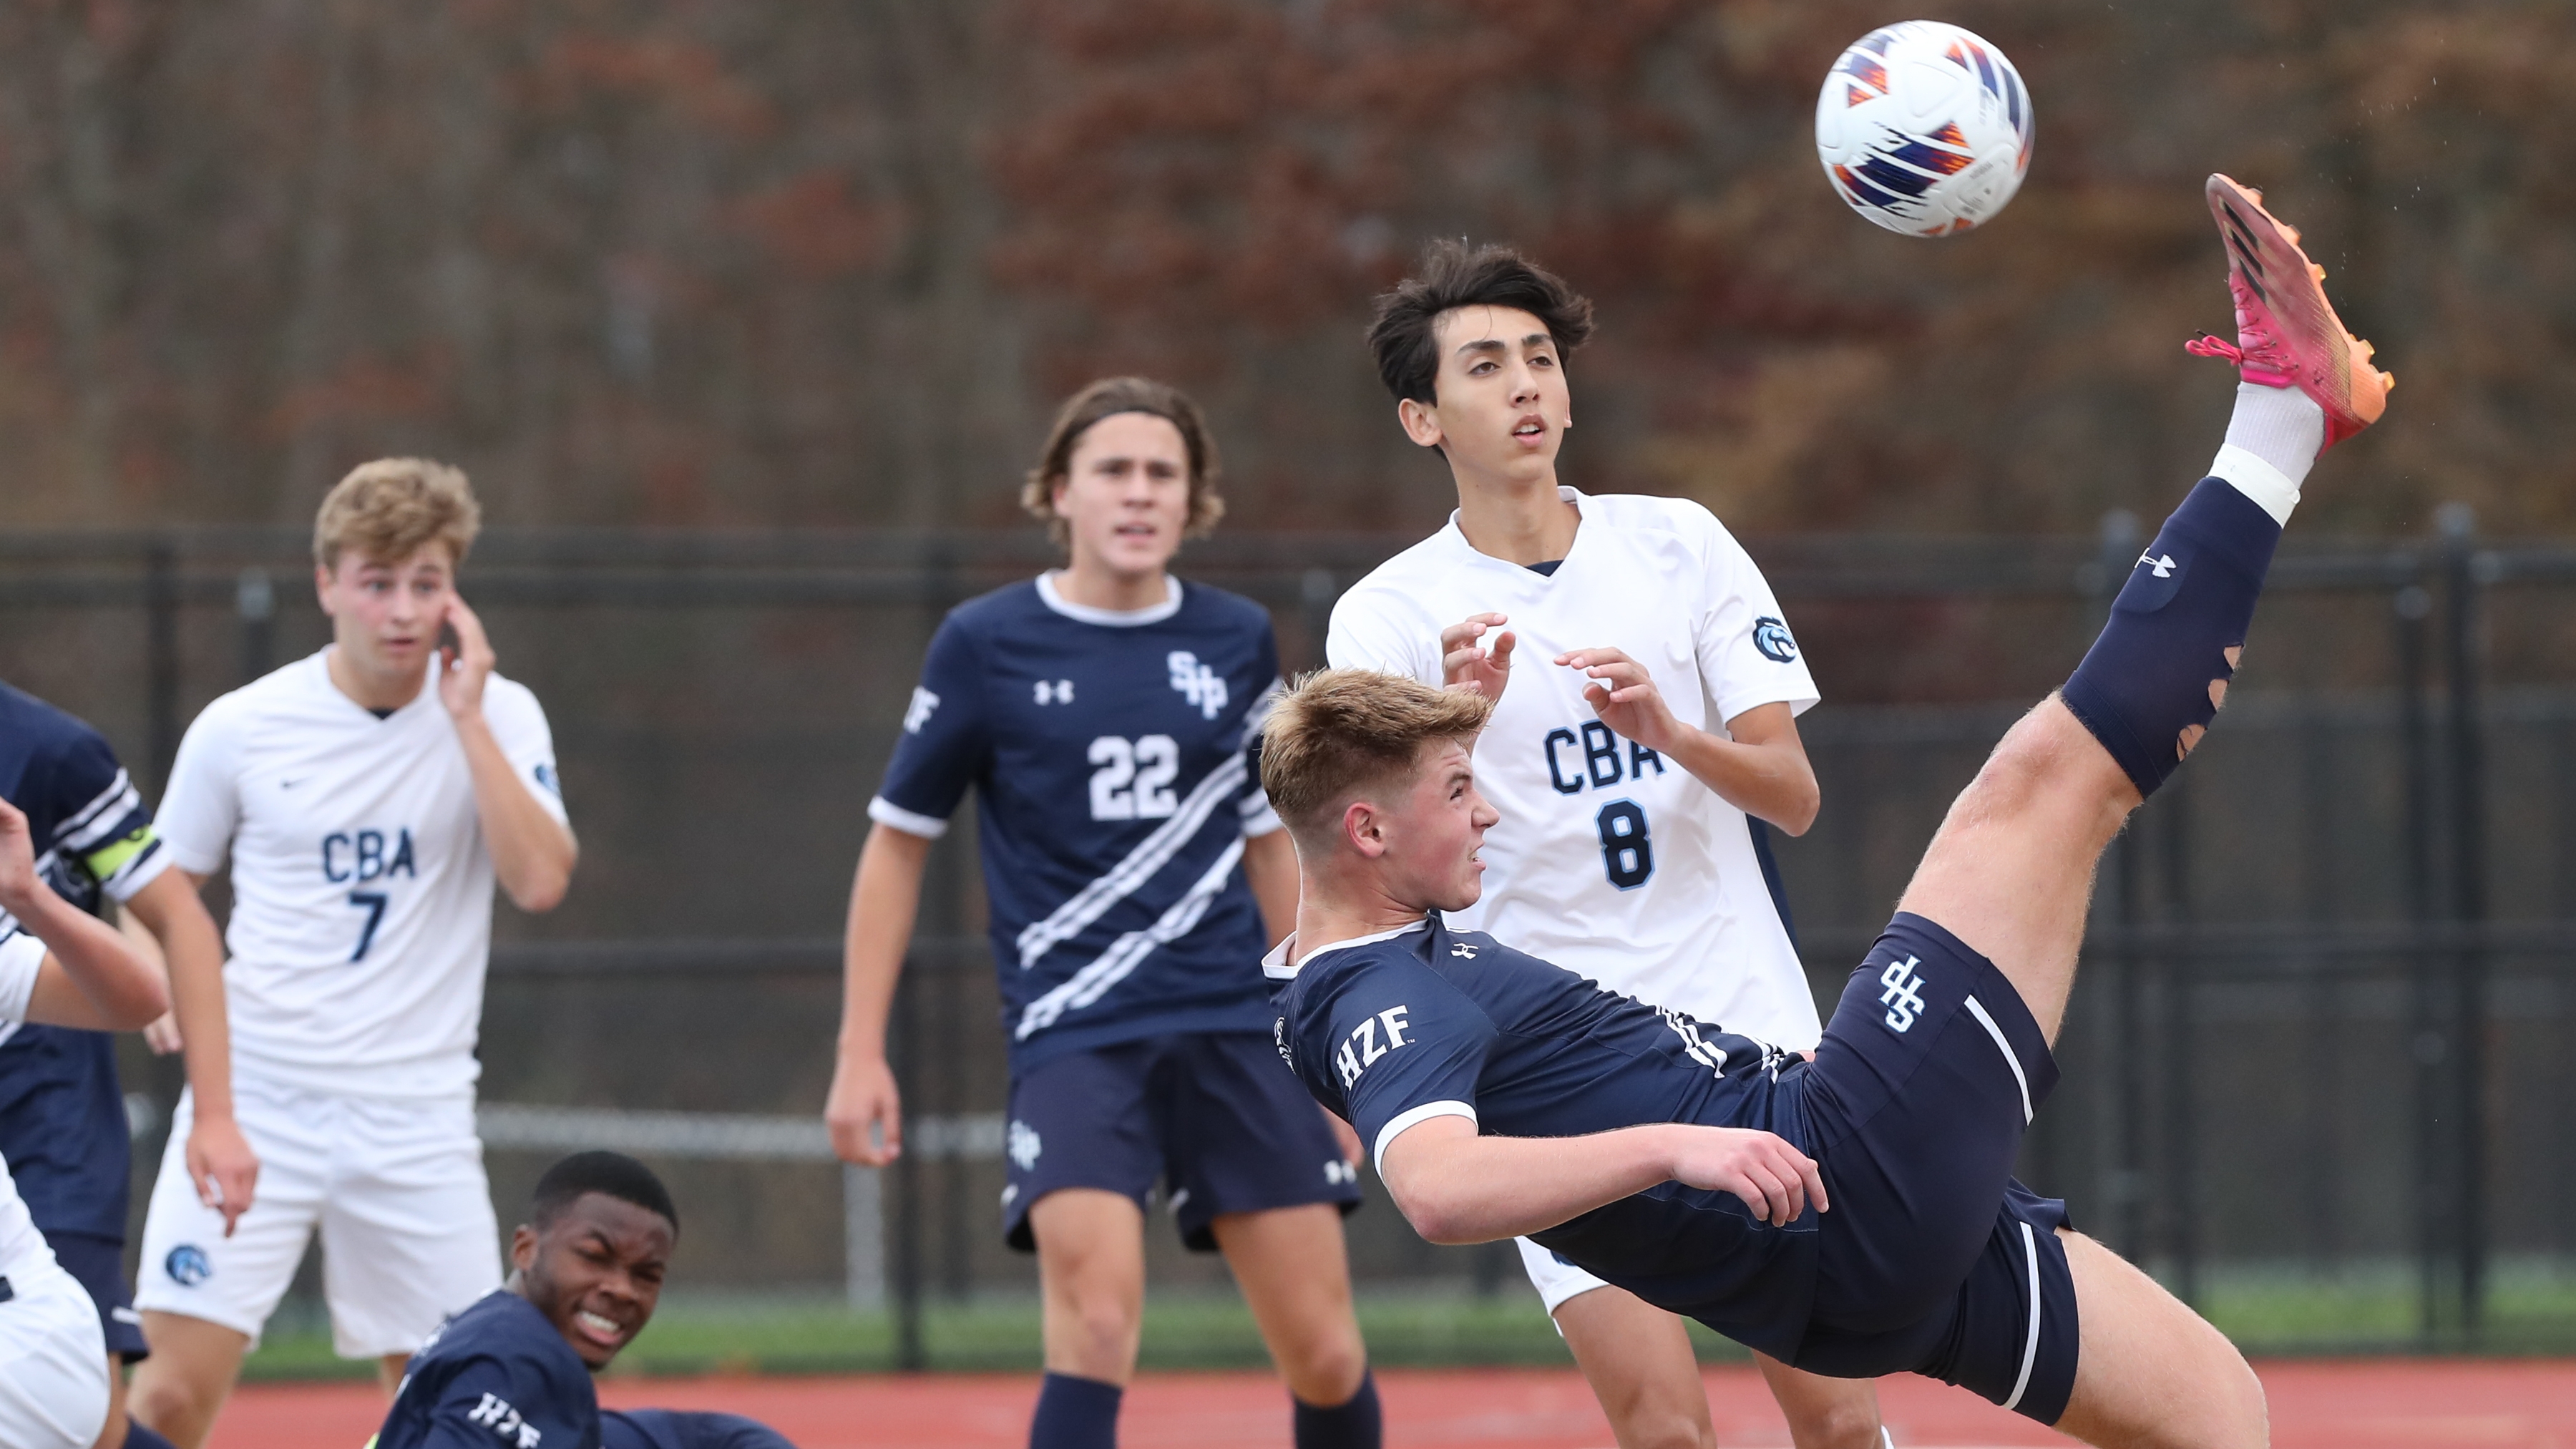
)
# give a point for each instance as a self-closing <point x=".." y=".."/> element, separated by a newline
<point x="1108" y="397"/>
<point x="388" y="509"/>
<point x="1340" y="733"/>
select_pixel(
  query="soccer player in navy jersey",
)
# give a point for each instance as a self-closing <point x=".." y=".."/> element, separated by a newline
<point x="1104" y="714"/>
<point x="1850" y="1212"/>
<point x="514" y="1370"/>
<point x="62" y="1113"/>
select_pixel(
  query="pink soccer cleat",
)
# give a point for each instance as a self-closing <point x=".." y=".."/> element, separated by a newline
<point x="2287" y="334"/>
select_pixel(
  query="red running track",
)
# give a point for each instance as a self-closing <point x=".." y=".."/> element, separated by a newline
<point x="2356" y="1404"/>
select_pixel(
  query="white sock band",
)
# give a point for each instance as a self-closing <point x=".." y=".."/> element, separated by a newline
<point x="2269" y="487"/>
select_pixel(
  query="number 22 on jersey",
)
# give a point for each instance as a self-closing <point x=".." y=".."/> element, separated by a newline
<point x="1132" y="779"/>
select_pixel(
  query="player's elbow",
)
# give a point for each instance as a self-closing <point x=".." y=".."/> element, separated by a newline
<point x="1441" y="1218"/>
<point x="539" y="891"/>
<point x="138" y="1000"/>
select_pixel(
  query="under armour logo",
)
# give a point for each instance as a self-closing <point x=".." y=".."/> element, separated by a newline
<point x="1058" y="692"/>
<point x="918" y="713"/>
<point x="1903" y="997"/>
<point x="1198" y="683"/>
<point x="1463" y="949"/>
<point x="1337" y="1171"/>
<point x="2163" y="567"/>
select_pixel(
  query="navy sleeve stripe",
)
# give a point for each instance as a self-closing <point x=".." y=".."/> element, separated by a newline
<point x="99" y="818"/>
<point x="1149" y="856"/>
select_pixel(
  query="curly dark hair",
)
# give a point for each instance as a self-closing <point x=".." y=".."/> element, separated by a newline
<point x="1454" y="275"/>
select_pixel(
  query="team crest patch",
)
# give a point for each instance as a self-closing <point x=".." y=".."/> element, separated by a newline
<point x="188" y="1265"/>
<point x="1771" y="636"/>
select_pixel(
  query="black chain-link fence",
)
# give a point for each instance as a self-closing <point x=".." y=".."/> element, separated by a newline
<point x="2323" y="1035"/>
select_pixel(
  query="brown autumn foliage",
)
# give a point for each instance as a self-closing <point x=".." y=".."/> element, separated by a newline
<point x="817" y="265"/>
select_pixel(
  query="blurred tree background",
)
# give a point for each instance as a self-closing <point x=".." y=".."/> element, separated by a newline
<point x="702" y="264"/>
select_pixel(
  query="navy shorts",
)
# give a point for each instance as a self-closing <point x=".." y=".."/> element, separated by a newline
<point x="1933" y="1259"/>
<point x="99" y="1264"/>
<point x="1215" y="1115"/>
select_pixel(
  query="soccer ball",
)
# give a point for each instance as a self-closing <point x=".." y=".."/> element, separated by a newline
<point x="1924" y="128"/>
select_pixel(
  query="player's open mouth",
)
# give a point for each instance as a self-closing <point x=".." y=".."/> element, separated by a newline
<point x="603" y="1331"/>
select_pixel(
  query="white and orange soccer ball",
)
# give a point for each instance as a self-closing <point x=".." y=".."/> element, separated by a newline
<point x="1924" y="128"/>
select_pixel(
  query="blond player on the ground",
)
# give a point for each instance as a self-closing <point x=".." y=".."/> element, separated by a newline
<point x="369" y="797"/>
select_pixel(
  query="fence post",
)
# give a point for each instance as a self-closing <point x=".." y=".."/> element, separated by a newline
<point x="2461" y="569"/>
<point x="903" y="1045"/>
<point x="863" y="1247"/>
<point x="2181" y="973"/>
<point x="161" y="656"/>
<point x="2411" y="608"/>
<point x="255" y="605"/>
<point x="2127" y="1179"/>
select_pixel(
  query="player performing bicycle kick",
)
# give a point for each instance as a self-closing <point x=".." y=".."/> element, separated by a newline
<point x="1104" y="714"/>
<point x="1632" y="847"/>
<point x="1853" y="1212"/>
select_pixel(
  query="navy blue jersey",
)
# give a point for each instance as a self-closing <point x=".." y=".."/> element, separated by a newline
<point x="1392" y="1030"/>
<point x="1111" y="756"/>
<point x="62" y="1114"/>
<point x="496" y="1374"/>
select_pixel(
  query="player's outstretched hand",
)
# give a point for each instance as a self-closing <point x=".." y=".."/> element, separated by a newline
<point x="865" y="1113"/>
<point x="222" y="1165"/>
<point x="1466" y="664"/>
<point x="1775" y="1179"/>
<point x="1625" y="696"/>
<point x="463" y="667"/>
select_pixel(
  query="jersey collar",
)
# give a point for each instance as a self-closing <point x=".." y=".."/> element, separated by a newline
<point x="1113" y="618"/>
<point x="1458" y="536"/>
<point x="1277" y="966"/>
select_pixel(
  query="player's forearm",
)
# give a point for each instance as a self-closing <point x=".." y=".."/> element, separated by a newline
<point x="110" y="986"/>
<point x="532" y="852"/>
<point x="170" y="909"/>
<point x="1770" y="781"/>
<point x="1464" y="1188"/>
<point x="885" y="896"/>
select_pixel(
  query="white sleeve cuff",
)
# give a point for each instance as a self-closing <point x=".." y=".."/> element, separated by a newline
<point x="128" y="883"/>
<point x="885" y="812"/>
<point x="1414" y="1117"/>
<point x="1265" y="821"/>
<point x="21" y="957"/>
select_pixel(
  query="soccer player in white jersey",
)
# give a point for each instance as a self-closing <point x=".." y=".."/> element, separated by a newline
<point x="59" y="966"/>
<point x="1633" y="760"/>
<point x="369" y="797"/>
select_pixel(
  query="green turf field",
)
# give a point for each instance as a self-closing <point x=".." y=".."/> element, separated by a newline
<point x="2531" y="1309"/>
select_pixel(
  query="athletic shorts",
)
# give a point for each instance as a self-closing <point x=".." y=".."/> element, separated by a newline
<point x="394" y="1186"/>
<point x="1214" y="1115"/>
<point x="98" y="1265"/>
<point x="1933" y="1260"/>
<point x="53" y="1361"/>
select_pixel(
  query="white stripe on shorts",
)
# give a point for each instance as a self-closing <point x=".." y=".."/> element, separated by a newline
<point x="1977" y="1010"/>
<point x="2030" y="1345"/>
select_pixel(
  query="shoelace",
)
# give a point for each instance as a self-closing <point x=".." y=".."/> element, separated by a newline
<point x="2209" y="344"/>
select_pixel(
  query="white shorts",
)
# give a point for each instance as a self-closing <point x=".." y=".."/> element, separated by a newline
<point x="53" y="1360"/>
<point x="395" y="1186"/>
<point x="1556" y="1282"/>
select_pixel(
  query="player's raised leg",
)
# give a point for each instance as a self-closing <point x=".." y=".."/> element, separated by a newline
<point x="2010" y="872"/>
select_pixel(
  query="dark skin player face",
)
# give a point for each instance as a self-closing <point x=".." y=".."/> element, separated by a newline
<point x="595" y="1272"/>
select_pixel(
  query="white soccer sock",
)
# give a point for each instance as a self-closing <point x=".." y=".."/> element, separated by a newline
<point x="2272" y="440"/>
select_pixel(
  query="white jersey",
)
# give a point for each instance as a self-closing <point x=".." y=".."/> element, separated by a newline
<point x="362" y="890"/>
<point x="1610" y="860"/>
<point x="21" y="1246"/>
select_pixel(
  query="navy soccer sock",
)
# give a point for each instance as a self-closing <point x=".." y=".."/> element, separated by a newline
<point x="2188" y="600"/>
<point x="1075" y="1413"/>
<point x="1354" y="1423"/>
<point x="139" y="1437"/>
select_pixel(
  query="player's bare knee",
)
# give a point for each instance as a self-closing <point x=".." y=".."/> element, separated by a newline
<point x="1844" y="1423"/>
<point x="1327" y="1371"/>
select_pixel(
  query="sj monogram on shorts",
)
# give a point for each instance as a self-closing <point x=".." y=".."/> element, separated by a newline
<point x="1903" y="996"/>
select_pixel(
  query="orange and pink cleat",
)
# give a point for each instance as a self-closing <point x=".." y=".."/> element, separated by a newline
<point x="2287" y="334"/>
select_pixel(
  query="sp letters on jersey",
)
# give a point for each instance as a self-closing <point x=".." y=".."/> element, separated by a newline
<point x="1198" y="683"/>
